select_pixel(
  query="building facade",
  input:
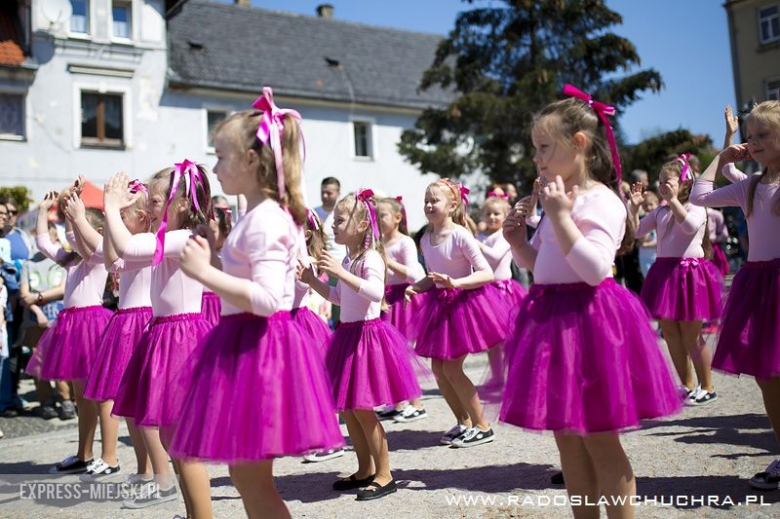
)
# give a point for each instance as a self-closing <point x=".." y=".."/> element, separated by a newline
<point x="136" y="85"/>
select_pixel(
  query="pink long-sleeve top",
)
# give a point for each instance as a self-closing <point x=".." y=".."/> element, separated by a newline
<point x="366" y="303"/>
<point x="676" y="240"/>
<point x="172" y="292"/>
<point x="457" y="256"/>
<point x="498" y="254"/>
<point x="135" y="283"/>
<point x="263" y="248"/>
<point x="716" y="226"/>
<point x="86" y="280"/>
<point x="600" y="216"/>
<point x="762" y="224"/>
<point x="731" y="172"/>
<point x="404" y="251"/>
<point x="302" y="290"/>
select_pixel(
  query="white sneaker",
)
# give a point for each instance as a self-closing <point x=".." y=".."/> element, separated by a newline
<point x="98" y="470"/>
<point x="150" y="495"/>
<point x="473" y="437"/>
<point x="137" y="479"/>
<point x="316" y="457"/>
<point x="411" y="414"/>
<point x="453" y="433"/>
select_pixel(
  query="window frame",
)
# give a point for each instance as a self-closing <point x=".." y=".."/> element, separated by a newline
<point x="370" y="123"/>
<point x="776" y="90"/>
<point x="100" y="88"/>
<point x="761" y="19"/>
<point x="24" y="136"/>
<point x="228" y="111"/>
<point x="90" y="17"/>
<point x="129" y="5"/>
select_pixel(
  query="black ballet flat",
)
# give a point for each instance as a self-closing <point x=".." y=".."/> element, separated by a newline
<point x="352" y="483"/>
<point x="381" y="491"/>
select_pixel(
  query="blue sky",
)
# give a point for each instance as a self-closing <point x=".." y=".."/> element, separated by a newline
<point x="687" y="41"/>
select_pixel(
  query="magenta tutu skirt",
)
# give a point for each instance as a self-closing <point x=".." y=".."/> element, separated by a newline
<point x="72" y="344"/>
<point x="452" y="322"/>
<point x="267" y="394"/>
<point x="720" y="260"/>
<point x="211" y="307"/>
<point x="316" y="329"/>
<point x="400" y="313"/>
<point x="122" y="335"/>
<point x="749" y="340"/>
<point x="585" y="360"/>
<point x="370" y="364"/>
<point x="147" y="392"/>
<point x="683" y="289"/>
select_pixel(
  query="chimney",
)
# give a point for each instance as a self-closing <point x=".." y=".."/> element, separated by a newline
<point x="325" y="11"/>
<point x="243" y="3"/>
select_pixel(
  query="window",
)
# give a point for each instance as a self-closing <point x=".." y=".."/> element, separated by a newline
<point x="363" y="142"/>
<point x="79" y="20"/>
<point x="769" y="24"/>
<point x="102" y="120"/>
<point x="122" y="15"/>
<point x="773" y="90"/>
<point x="213" y="118"/>
<point x="12" y="116"/>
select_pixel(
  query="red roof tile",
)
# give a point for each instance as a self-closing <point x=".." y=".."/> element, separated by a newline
<point x="10" y="44"/>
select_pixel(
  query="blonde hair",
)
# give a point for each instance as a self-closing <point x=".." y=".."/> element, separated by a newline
<point x="318" y="241"/>
<point x="163" y="180"/>
<point x="452" y="191"/>
<point x="767" y="113"/>
<point x="247" y="123"/>
<point x="499" y="203"/>
<point x="358" y="211"/>
<point x="397" y="207"/>
<point x="563" y="119"/>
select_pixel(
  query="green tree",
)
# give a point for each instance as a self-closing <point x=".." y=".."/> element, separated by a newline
<point x="508" y="60"/>
<point x="653" y="152"/>
<point x="20" y="194"/>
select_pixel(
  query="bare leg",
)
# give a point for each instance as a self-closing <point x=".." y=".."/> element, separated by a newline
<point x="579" y="474"/>
<point x="697" y="349"/>
<point x="449" y="393"/>
<point x="377" y="443"/>
<point x="359" y="441"/>
<point x="770" y="391"/>
<point x="87" y="419"/>
<point x="613" y="472"/>
<point x="255" y="483"/>
<point x="678" y="352"/>
<point x="143" y="463"/>
<point x="196" y="487"/>
<point x="109" y="432"/>
<point x="157" y="456"/>
<point x="466" y="392"/>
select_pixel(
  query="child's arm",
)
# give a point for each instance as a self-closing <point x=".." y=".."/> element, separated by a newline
<point x="732" y="125"/>
<point x="115" y="198"/>
<point x="516" y="233"/>
<point x="704" y="192"/>
<point x="482" y="273"/>
<point x="371" y="288"/>
<point x="87" y="239"/>
<point x="409" y="265"/>
<point x="306" y="275"/>
<point x="332" y="266"/>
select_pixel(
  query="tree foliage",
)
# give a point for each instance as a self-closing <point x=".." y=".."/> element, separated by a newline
<point x="653" y="152"/>
<point x="20" y="194"/>
<point x="504" y="61"/>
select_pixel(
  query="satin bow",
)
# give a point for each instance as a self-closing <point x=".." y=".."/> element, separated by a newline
<point x="136" y="186"/>
<point x="602" y="110"/>
<point x="686" y="166"/>
<point x="269" y="132"/>
<point x="400" y="200"/>
<point x="191" y="173"/>
<point x="312" y="220"/>
<point x="364" y="195"/>
<point x="690" y="262"/>
<point x="493" y="194"/>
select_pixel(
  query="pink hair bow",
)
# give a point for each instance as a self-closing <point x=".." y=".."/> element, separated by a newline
<point x="313" y="221"/>
<point x="493" y="194"/>
<point x="400" y="200"/>
<point x="464" y="191"/>
<point x="364" y="195"/>
<point x="602" y="110"/>
<point x="686" y="167"/>
<point x="136" y="186"/>
<point x="191" y="173"/>
<point x="269" y="132"/>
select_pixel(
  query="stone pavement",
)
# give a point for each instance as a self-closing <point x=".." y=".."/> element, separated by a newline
<point x="693" y="465"/>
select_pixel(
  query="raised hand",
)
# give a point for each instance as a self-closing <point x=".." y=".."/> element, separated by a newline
<point x="116" y="194"/>
<point x="443" y="280"/>
<point x="556" y="202"/>
<point x="637" y="197"/>
<point x="732" y="121"/>
<point x="514" y="228"/>
<point x="74" y="207"/>
<point x="49" y="200"/>
<point x="735" y="153"/>
<point x="195" y="257"/>
<point x="329" y="264"/>
<point x="305" y="273"/>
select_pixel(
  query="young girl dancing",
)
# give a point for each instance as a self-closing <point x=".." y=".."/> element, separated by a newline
<point x="266" y="386"/>
<point x="749" y="341"/>
<point x="583" y="360"/>
<point x="368" y="360"/>
<point x="463" y="314"/>
<point x="682" y="289"/>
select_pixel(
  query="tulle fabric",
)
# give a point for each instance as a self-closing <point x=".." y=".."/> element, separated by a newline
<point x="683" y="289"/>
<point x="258" y="390"/>
<point x="122" y="335"/>
<point x="452" y="323"/>
<point x="315" y="328"/>
<point x="749" y="341"/>
<point x="211" y="307"/>
<point x="147" y="392"/>
<point x="585" y="360"/>
<point x="371" y="364"/>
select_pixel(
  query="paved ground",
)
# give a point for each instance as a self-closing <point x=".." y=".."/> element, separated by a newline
<point x="694" y="465"/>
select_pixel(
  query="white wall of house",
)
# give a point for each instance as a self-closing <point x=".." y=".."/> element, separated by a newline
<point x="164" y="125"/>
